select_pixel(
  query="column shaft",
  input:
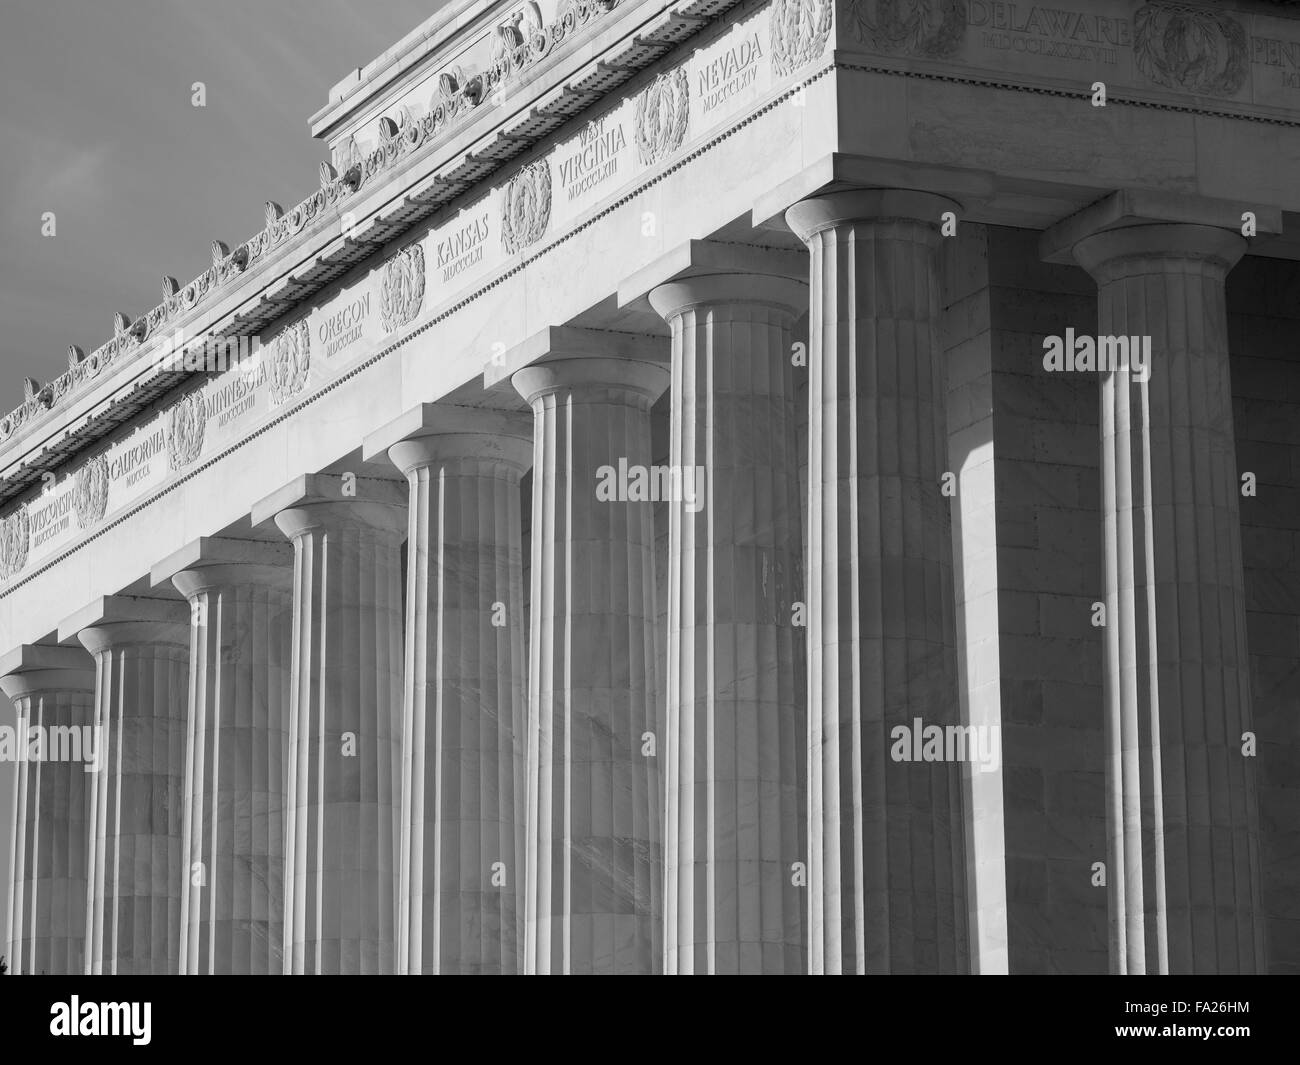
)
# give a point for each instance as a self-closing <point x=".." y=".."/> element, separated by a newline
<point x="52" y="691"/>
<point x="1182" y="820"/>
<point x="594" y="834"/>
<point x="886" y="884"/>
<point x="235" y="766"/>
<point x="344" y="728"/>
<point x="462" y="863"/>
<point x="136" y="864"/>
<point x="735" y="837"/>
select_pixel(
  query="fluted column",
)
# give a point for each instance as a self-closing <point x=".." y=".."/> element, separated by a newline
<point x="53" y="694"/>
<point x="240" y="595"/>
<point x="594" y="836"/>
<point x="1182" y="821"/>
<point x="735" y="838"/>
<point x="345" y="719"/>
<point x="886" y="880"/>
<point x="461" y="863"/>
<point x="136" y="867"/>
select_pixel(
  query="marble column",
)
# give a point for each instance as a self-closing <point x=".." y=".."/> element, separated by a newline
<point x="1182" y="821"/>
<point x="240" y="596"/>
<point x="345" y="720"/>
<point x="594" y="861"/>
<point x="735" y="843"/>
<point x="886" y="864"/>
<point x="56" y="750"/>
<point x="461" y="862"/>
<point x="136" y="868"/>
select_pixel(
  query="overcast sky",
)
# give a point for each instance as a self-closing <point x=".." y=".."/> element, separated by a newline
<point x="97" y="125"/>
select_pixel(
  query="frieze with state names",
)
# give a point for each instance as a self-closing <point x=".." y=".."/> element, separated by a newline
<point x="594" y="160"/>
<point x="1216" y="52"/>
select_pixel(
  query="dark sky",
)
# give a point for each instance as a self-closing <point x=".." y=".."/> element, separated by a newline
<point x="97" y="125"/>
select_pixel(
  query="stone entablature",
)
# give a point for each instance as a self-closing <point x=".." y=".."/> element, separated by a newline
<point x="289" y="271"/>
<point x="1237" y="59"/>
<point x="470" y="102"/>
<point x="316" y="342"/>
<point x="501" y="70"/>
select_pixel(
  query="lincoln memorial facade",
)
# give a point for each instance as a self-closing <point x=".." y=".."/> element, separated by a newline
<point x="790" y="486"/>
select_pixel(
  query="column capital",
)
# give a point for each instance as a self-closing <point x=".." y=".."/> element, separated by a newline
<point x="699" y="258"/>
<point x="789" y="294"/>
<point x="1140" y="208"/>
<point x="221" y="562"/>
<point x="593" y="375"/>
<point x="571" y="342"/>
<point x="841" y="171"/>
<point x="446" y="432"/>
<point x="848" y="206"/>
<point x="317" y="501"/>
<point x="1134" y="249"/>
<point x="113" y="621"/>
<point x="32" y="669"/>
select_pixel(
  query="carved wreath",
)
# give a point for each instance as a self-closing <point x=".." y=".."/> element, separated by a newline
<point x="186" y="421"/>
<point x="526" y="206"/>
<point x="15" y="533"/>
<point x="402" y="290"/>
<point x="800" y="29"/>
<point x="90" y="494"/>
<point x="934" y="29"/>
<point x="662" y="111"/>
<point x="1190" y="48"/>
<point x="290" y="361"/>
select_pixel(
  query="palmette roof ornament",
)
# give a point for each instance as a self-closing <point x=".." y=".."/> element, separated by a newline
<point x="77" y="372"/>
<point x="36" y="396"/>
<point x="521" y="39"/>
